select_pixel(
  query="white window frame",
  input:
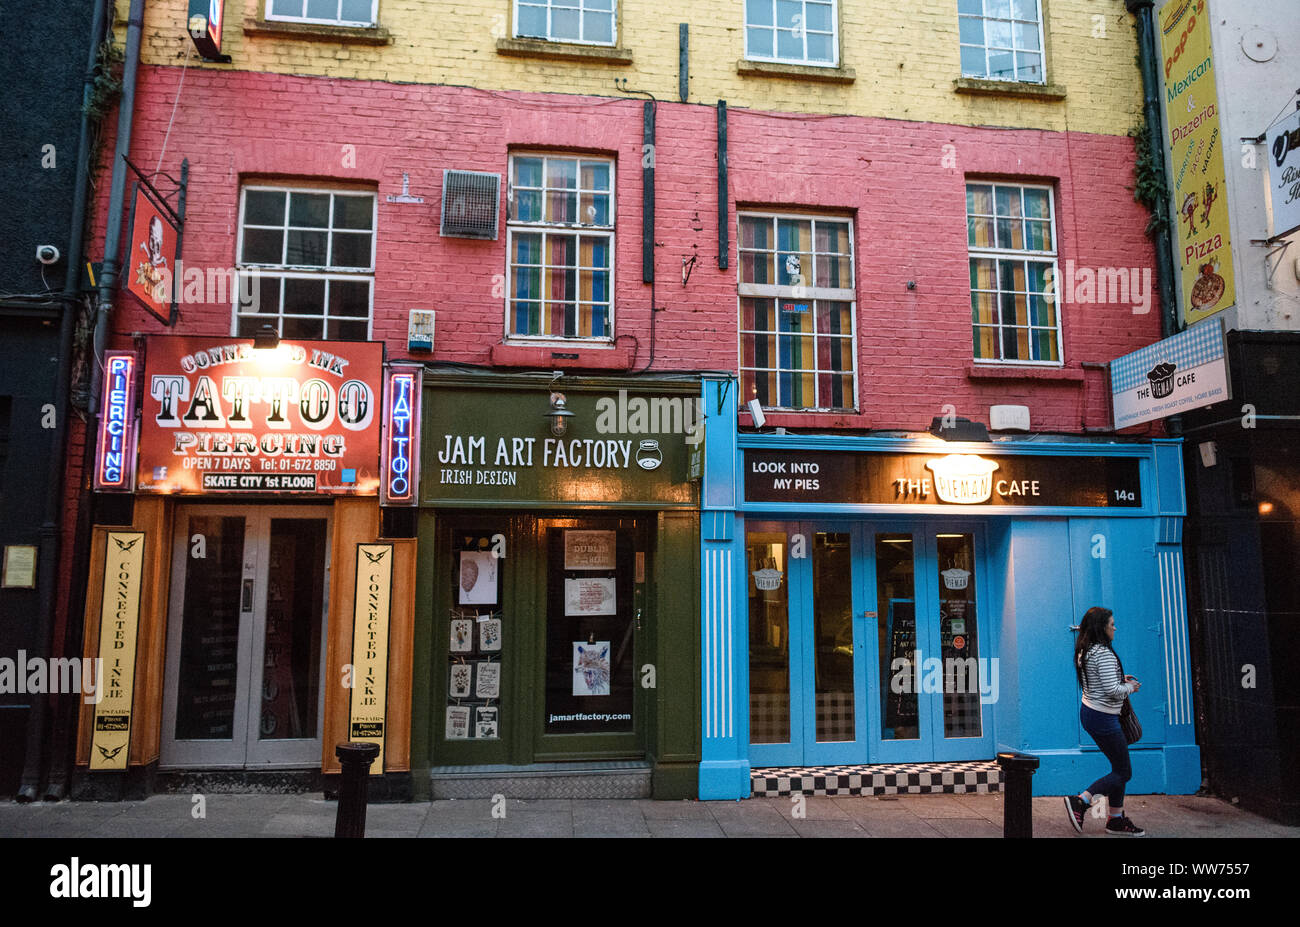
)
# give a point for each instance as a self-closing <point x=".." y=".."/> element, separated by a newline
<point x="514" y="225"/>
<point x="804" y="61"/>
<point x="1041" y="51"/>
<point x="305" y="271"/>
<point x="996" y="254"/>
<point x="549" y="37"/>
<point x="286" y="18"/>
<point x="812" y="294"/>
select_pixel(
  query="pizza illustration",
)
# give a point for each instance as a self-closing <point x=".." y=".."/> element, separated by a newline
<point x="1208" y="288"/>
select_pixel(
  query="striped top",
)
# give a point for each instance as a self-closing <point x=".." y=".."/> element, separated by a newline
<point x="1104" y="689"/>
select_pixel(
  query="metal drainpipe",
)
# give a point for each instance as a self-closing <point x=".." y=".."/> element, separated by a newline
<point x="52" y="524"/>
<point x="113" y="235"/>
<point x="1148" y="58"/>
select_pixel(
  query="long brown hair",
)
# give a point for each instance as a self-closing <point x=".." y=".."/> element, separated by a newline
<point x="1092" y="630"/>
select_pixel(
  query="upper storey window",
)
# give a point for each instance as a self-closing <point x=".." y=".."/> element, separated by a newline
<point x="792" y="31"/>
<point x="325" y="12"/>
<point x="589" y="22"/>
<point x="1001" y="39"/>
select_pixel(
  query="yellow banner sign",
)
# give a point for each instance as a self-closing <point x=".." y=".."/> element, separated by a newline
<point x="119" y="623"/>
<point x="1196" y="160"/>
<point x="371" y="610"/>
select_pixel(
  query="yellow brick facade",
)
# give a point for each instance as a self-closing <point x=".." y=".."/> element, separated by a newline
<point x="904" y="57"/>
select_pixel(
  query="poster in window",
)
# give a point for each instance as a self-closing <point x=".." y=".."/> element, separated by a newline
<point x="462" y="635"/>
<point x="457" y="722"/>
<point x="487" y="680"/>
<point x="489" y="635"/>
<point x="478" y="577"/>
<point x="593" y="595"/>
<point x="589" y="550"/>
<point x="460" y="678"/>
<point x="591" y="668"/>
<point x="485" y="722"/>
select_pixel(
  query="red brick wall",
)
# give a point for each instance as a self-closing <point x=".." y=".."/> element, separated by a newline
<point x="895" y="177"/>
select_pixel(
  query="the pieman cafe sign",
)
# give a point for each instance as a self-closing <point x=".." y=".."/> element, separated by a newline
<point x="943" y="480"/>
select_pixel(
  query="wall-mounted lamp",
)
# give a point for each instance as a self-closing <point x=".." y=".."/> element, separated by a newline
<point x="559" y="415"/>
<point x="266" y="339"/>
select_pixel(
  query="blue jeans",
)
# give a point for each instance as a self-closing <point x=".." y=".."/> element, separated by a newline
<point x="1105" y="730"/>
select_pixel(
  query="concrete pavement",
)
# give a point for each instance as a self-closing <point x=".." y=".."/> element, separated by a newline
<point x="308" y="815"/>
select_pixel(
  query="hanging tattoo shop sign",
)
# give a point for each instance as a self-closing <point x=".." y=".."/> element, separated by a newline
<point x="943" y="480"/>
<point x="223" y="417"/>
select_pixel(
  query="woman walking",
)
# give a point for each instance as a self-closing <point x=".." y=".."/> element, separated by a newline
<point x="1104" y="692"/>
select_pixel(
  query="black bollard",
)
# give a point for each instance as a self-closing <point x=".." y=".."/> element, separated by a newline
<point x="1017" y="790"/>
<point x="356" y="760"/>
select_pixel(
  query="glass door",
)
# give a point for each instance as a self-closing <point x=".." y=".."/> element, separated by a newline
<point x="245" y="640"/>
<point x="930" y="679"/>
<point x="805" y="646"/>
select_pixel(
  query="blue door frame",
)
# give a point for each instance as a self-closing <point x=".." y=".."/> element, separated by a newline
<point x="870" y="684"/>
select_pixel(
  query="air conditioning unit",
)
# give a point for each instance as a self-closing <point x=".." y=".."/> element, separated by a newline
<point x="471" y="204"/>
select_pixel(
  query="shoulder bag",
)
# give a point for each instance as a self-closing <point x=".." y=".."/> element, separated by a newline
<point x="1128" y="719"/>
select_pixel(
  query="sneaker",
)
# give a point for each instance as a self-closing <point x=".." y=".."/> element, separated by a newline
<point x="1123" y="827"/>
<point x="1076" y="808"/>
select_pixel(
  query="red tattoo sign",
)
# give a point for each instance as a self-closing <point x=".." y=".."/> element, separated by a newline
<point x="222" y="417"/>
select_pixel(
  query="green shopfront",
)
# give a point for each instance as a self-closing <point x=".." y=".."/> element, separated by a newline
<point x="556" y="640"/>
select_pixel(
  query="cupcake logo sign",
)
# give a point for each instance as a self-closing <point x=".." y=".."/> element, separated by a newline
<point x="964" y="479"/>
<point x="1162" y="379"/>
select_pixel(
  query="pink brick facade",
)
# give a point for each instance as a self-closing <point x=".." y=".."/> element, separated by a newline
<point x="902" y="182"/>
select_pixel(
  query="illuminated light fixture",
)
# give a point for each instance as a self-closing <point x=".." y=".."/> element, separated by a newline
<point x="964" y="479"/>
<point x="1266" y="508"/>
<point x="266" y="339"/>
<point x="559" y="415"/>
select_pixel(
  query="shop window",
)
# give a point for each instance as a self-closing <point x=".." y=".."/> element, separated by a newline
<point x="306" y="263"/>
<point x="475" y="639"/>
<point x="589" y="22"/>
<point x="1012" y="243"/>
<point x="560" y="246"/>
<point x="325" y="12"/>
<point x="797" y="312"/>
<point x="1001" y="40"/>
<point x="792" y="31"/>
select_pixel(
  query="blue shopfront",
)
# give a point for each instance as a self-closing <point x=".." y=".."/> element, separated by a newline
<point x="902" y="599"/>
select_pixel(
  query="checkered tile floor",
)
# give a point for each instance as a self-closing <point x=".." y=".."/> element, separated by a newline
<point x="889" y="779"/>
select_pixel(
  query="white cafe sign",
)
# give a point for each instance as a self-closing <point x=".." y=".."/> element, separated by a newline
<point x="1283" y="155"/>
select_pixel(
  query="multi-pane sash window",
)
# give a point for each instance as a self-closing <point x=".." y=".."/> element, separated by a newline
<point x="560" y="247"/>
<point x="797" y="344"/>
<point x="1001" y="39"/>
<point x="307" y="258"/>
<point x="327" y="12"/>
<point x="1012" y="242"/>
<point x="590" y="22"/>
<point x="792" y="31"/>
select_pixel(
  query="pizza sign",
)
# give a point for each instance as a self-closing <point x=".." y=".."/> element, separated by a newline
<point x="223" y="417"/>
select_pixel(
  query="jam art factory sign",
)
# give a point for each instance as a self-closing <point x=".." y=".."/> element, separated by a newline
<point x="497" y="447"/>
<point x="222" y="417"/>
<point x="944" y="480"/>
